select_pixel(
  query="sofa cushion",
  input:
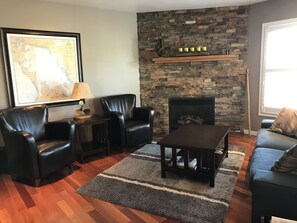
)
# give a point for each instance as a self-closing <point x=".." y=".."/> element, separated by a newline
<point x="264" y="159"/>
<point x="268" y="139"/>
<point x="288" y="161"/>
<point x="286" y="122"/>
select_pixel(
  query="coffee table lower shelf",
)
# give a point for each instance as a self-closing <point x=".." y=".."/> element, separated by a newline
<point x="198" y="171"/>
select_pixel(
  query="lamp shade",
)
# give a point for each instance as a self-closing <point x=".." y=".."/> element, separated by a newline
<point x="81" y="90"/>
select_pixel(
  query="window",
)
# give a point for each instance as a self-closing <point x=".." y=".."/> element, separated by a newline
<point x="278" y="75"/>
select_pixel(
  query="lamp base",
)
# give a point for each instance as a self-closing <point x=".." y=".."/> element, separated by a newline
<point x="82" y="117"/>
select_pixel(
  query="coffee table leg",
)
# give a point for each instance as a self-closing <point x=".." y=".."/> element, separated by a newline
<point x="186" y="160"/>
<point x="163" y="164"/>
<point x="226" y="145"/>
<point x="212" y="169"/>
<point x="174" y="157"/>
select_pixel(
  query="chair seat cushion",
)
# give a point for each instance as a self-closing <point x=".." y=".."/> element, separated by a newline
<point x="137" y="132"/>
<point x="264" y="159"/>
<point x="53" y="154"/>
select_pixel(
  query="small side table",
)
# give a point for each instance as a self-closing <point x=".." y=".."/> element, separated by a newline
<point x="100" y="141"/>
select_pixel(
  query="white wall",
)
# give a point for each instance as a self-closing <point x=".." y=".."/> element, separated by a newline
<point x="108" y="42"/>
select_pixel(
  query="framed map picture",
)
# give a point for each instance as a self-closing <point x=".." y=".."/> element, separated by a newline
<point x="41" y="66"/>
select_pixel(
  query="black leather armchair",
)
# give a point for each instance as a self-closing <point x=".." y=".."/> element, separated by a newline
<point x="35" y="147"/>
<point x="129" y="125"/>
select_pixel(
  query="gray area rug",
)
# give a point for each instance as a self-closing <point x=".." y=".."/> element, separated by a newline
<point x="136" y="182"/>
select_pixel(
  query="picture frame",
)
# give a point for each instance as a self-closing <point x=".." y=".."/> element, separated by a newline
<point x="41" y="67"/>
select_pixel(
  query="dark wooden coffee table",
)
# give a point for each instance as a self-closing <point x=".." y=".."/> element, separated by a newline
<point x="196" y="141"/>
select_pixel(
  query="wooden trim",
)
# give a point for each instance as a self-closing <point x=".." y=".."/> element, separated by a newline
<point x="184" y="59"/>
<point x="248" y="99"/>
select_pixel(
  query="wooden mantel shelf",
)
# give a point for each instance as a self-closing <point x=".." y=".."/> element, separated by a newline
<point x="184" y="59"/>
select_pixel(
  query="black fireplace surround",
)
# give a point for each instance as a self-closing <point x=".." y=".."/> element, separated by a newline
<point x="200" y="110"/>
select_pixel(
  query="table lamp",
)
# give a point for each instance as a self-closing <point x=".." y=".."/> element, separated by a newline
<point x="81" y="90"/>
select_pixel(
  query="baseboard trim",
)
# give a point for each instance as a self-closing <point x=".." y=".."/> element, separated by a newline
<point x="281" y="220"/>
<point x="253" y="133"/>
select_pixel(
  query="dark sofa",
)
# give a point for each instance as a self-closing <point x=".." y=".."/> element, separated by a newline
<point x="273" y="193"/>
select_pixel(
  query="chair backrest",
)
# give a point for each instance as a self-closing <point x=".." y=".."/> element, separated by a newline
<point x="29" y="119"/>
<point x="123" y="103"/>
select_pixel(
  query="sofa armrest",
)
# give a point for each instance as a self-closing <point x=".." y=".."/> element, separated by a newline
<point x="278" y="180"/>
<point x="266" y="123"/>
<point x="274" y="194"/>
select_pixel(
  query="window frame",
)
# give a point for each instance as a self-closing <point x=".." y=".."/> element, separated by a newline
<point x="266" y="27"/>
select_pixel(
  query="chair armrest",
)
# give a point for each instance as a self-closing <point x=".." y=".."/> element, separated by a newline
<point x="116" y="128"/>
<point x="60" y="130"/>
<point x="143" y="114"/>
<point x="22" y="162"/>
<point x="266" y="123"/>
<point x="116" y="118"/>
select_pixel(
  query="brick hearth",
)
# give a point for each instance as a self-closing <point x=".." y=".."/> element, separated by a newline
<point x="216" y="28"/>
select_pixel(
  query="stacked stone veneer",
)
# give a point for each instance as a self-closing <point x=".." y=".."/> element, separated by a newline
<point x="216" y="28"/>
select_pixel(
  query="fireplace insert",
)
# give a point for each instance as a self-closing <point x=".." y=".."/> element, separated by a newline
<point x="184" y="111"/>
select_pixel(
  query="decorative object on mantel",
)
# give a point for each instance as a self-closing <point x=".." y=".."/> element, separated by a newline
<point x="225" y="52"/>
<point x="198" y="58"/>
<point x="199" y="49"/>
<point x="159" y="47"/>
<point x="81" y="90"/>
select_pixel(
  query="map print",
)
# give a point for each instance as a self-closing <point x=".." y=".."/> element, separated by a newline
<point x="44" y="68"/>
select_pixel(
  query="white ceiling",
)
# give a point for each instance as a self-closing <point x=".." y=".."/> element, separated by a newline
<point x="155" y="5"/>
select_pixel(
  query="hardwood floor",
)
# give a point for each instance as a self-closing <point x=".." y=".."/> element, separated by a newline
<point x="57" y="201"/>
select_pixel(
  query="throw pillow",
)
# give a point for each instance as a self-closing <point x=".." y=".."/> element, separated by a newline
<point x="288" y="162"/>
<point x="286" y="122"/>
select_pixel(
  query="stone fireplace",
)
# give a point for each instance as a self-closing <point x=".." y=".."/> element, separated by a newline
<point x="184" y="111"/>
<point x="220" y="29"/>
